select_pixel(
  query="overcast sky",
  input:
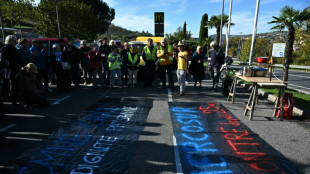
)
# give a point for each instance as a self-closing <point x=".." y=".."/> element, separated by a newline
<point x="138" y="15"/>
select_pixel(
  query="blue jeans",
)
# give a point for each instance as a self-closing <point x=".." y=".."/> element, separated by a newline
<point x="119" y="76"/>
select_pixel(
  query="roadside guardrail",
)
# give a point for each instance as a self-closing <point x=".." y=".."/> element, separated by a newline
<point x="307" y="68"/>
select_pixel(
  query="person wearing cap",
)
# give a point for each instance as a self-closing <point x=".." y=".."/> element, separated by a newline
<point x="164" y="54"/>
<point x="25" y="54"/>
<point x="149" y="56"/>
<point x="29" y="86"/>
<point x="11" y="55"/>
<point x="182" y="67"/>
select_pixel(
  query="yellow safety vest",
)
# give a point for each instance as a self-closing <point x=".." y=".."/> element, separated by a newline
<point x="135" y="59"/>
<point x="148" y="54"/>
<point x="169" y="50"/>
<point x="116" y="64"/>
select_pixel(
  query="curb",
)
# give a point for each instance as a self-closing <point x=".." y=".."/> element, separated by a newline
<point x="270" y="97"/>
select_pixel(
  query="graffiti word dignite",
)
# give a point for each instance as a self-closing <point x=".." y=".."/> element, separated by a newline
<point x="96" y="142"/>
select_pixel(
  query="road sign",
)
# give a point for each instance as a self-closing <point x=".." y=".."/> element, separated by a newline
<point x="159" y="19"/>
<point x="278" y="50"/>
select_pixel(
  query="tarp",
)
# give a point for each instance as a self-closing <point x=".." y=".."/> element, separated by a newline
<point x="210" y="139"/>
<point x="100" y="140"/>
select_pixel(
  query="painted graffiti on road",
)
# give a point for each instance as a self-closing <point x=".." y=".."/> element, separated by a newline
<point x="212" y="140"/>
<point x="97" y="142"/>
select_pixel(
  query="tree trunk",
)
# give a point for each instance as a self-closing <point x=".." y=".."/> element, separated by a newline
<point x="20" y="30"/>
<point x="288" y="52"/>
<point x="218" y="32"/>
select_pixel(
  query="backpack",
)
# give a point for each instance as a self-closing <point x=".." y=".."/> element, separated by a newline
<point x="221" y="56"/>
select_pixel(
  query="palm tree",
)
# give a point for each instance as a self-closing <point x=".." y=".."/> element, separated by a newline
<point x="289" y="18"/>
<point x="207" y="42"/>
<point x="215" y="22"/>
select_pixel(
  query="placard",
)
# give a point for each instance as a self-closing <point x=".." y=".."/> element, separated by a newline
<point x="278" y="50"/>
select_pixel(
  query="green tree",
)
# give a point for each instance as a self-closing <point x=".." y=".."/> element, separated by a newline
<point x="289" y="18"/>
<point x="76" y="19"/>
<point x="16" y="11"/>
<point x="184" y="30"/>
<point x="103" y="13"/>
<point x="215" y="22"/>
<point x="178" y="35"/>
<point x="206" y="43"/>
<point x="19" y="10"/>
<point x="302" y="53"/>
<point x="203" y="33"/>
<point x="261" y="48"/>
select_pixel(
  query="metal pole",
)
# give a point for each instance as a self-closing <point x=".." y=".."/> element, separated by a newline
<point x="221" y="24"/>
<point x="2" y="26"/>
<point x="59" y="33"/>
<point x="254" y="33"/>
<point x="228" y="29"/>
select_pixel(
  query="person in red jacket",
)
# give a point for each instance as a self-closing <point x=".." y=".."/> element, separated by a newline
<point x="95" y="65"/>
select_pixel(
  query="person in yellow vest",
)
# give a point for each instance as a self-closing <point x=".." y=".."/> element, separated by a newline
<point x="115" y="67"/>
<point x="150" y="57"/>
<point x="182" y="67"/>
<point x="132" y="61"/>
<point x="164" y="54"/>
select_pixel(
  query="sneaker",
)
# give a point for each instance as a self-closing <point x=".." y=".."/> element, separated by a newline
<point x="181" y="94"/>
<point x="85" y="83"/>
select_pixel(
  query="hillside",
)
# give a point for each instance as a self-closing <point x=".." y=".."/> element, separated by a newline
<point x="119" y="33"/>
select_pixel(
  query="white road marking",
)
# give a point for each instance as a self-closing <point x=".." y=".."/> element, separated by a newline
<point x="104" y="94"/>
<point x="307" y="77"/>
<point x="60" y="100"/>
<point x="7" y="127"/>
<point x="177" y="156"/>
<point x="176" y="150"/>
<point x="298" y="86"/>
<point x="170" y="95"/>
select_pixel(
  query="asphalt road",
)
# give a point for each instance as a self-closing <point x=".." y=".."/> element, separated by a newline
<point x="155" y="131"/>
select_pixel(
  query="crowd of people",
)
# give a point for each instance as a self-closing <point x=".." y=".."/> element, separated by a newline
<point x="27" y="71"/>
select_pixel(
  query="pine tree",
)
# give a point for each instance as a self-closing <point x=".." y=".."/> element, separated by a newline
<point x="203" y="33"/>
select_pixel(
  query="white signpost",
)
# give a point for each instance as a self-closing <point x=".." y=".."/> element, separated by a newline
<point x="278" y="50"/>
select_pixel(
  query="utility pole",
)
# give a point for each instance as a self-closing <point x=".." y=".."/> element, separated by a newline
<point x="228" y="30"/>
<point x="2" y="26"/>
<point x="59" y="33"/>
<point x="254" y="33"/>
<point x="221" y="24"/>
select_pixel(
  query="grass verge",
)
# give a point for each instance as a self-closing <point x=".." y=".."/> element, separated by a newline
<point x="301" y="100"/>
